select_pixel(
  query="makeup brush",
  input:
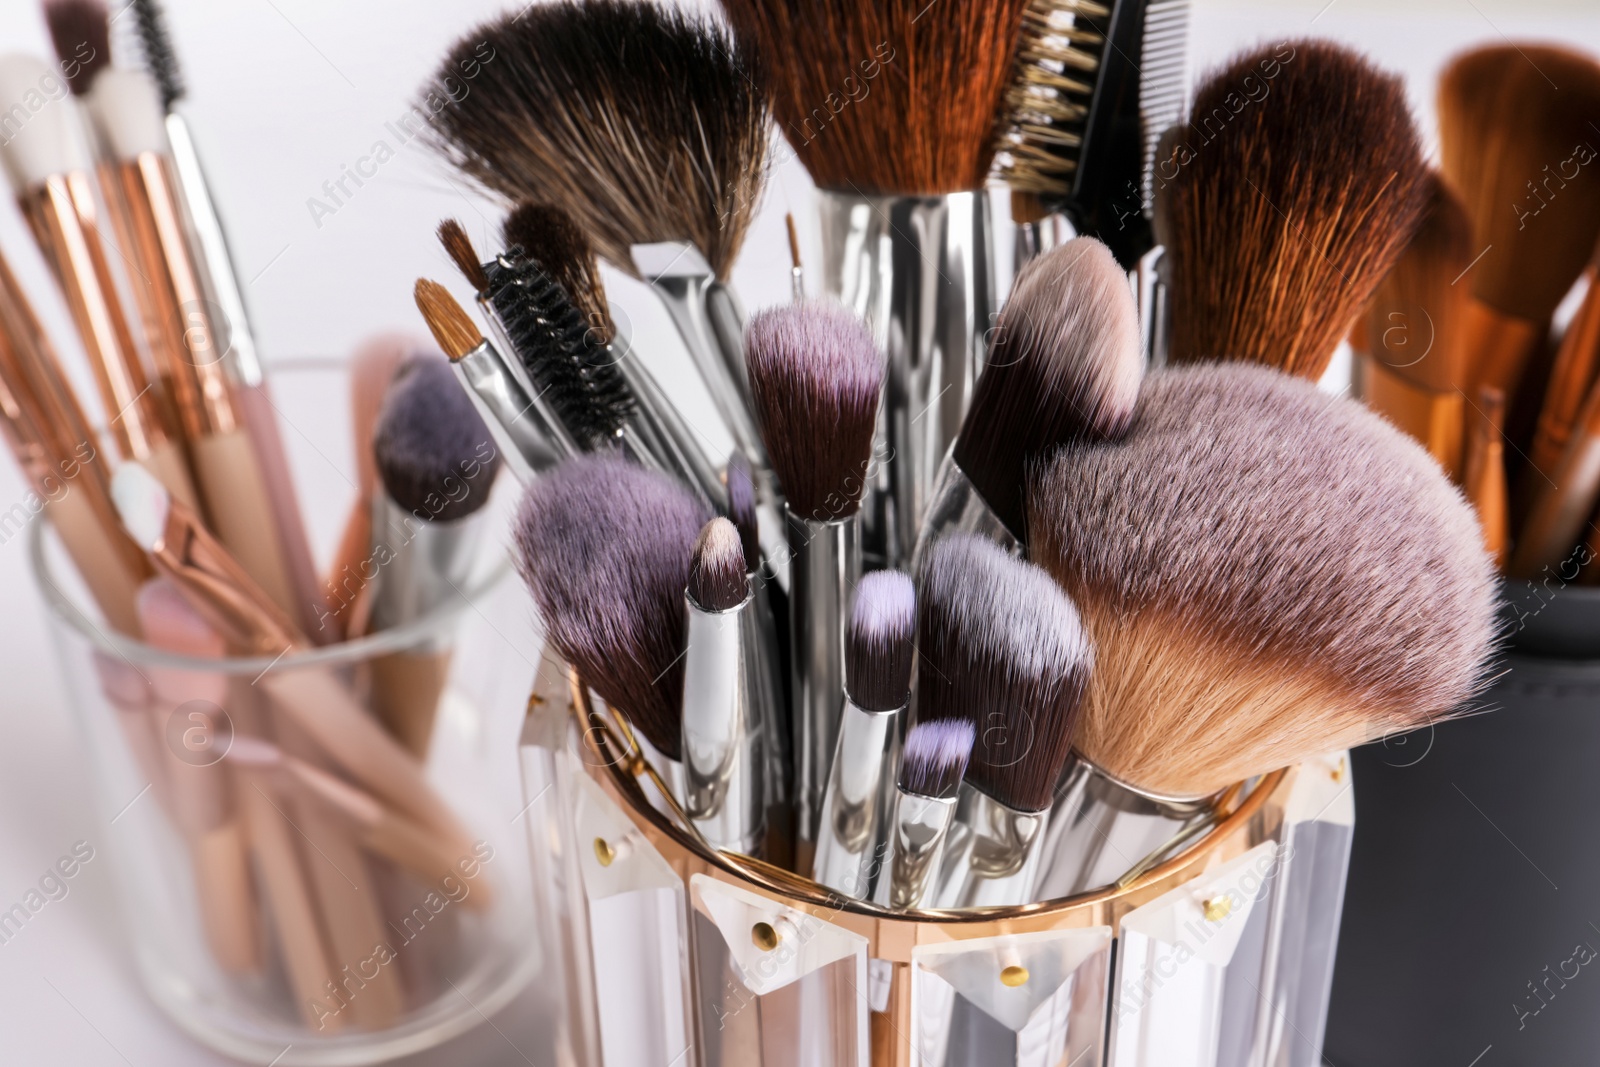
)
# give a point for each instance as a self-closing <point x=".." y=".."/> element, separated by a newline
<point x="437" y="462"/>
<point x="877" y="687"/>
<point x="81" y="33"/>
<point x="1303" y="579"/>
<point x="1514" y="140"/>
<point x="1001" y="646"/>
<point x="645" y="124"/>
<point x="519" y="429"/>
<point x="1064" y="365"/>
<point x="1483" y="472"/>
<point x="931" y="768"/>
<point x="1276" y="189"/>
<point x="816" y="379"/>
<point x="1564" y="499"/>
<point x="1576" y="367"/>
<point x="606" y="547"/>
<point x="1413" y="370"/>
<point x="893" y="110"/>
<point x="724" y="696"/>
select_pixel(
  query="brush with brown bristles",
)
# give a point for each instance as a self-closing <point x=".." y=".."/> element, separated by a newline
<point x="645" y="124"/>
<point x="1483" y="471"/>
<point x="1514" y="123"/>
<point x="1282" y="218"/>
<point x="1267" y="572"/>
<point x="1576" y="367"/>
<point x="900" y="167"/>
<point x="1412" y="369"/>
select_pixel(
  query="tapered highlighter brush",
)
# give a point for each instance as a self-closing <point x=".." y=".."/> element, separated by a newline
<point x="52" y="180"/>
<point x="1413" y="368"/>
<point x="1483" y="472"/>
<point x="647" y="125"/>
<point x="606" y="548"/>
<point x="877" y="688"/>
<point x="1064" y="365"/>
<point x="1514" y="140"/>
<point x="1303" y="579"/>
<point x="1308" y="195"/>
<point x="999" y="645"/>
<point x="524" y="438"/>
<point x="932" y="764"/>
<point x="437" y="463"/>
<point x="816" y="378"/>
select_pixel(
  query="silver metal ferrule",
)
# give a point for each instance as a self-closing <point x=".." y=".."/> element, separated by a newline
<point x="825" y="565"/>
<point x="725" y="313"/>
<point x="428" y="560"/>
<point x="919" y="269"/>
<point x="854" y="804"/>
<point x="1101" y="828"/>
<point x="659" y="436"/>
<point x="912" y="850"/>
<point x="956" y="506"/>
<point x="1155" y="305"/>
<point x="992" y="855"/>
<point x="724" y="743"/>
<point x="530" y="443"/>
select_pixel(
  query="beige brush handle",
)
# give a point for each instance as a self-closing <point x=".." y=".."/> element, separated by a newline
<point x="406" y="687"/>
<point x="240" y="512"/>
<point x="99" y="559"/>
<point x="344" y="580"/>
<point x="229" y="911"/>
<point x="422" y="853"/>
<point x="166" y="462"/>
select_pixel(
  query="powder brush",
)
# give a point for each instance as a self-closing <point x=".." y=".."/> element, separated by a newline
<point x="1308" y="194"/>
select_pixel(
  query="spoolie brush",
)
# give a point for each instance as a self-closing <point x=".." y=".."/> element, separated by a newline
<point x="81" y="33"/>
<point x="1282" y="217"/>
<point x="1065" y="365"/>
<point x="605" y="547"/>
<point x="160" y="59"/>
<point x="1303" y="579"/>
<point x="1001" y="646"/>
<point x="931" y="768"/>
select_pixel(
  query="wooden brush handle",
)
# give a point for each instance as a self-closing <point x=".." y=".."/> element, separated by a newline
<point x="240" y="512"/>
<point x="229" y="911"/>
<point x="1484" y="474"/>
<point x="1497" y="347"/>
<point x="1570" y="380"/>
<point x="97" y="549"/>
<point x="1564" y="500"/>
<point x="1432" y="417"/>
<point x="406" y="687"/>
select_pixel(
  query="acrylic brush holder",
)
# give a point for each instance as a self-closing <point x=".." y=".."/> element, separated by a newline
<point x="671" y="953"/>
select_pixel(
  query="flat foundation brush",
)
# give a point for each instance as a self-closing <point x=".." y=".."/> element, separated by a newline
<point x="816" y="378"/>
<point x="1064" y="365"/>
<point x="1267" y="572"/>
<point x="1001" y="646"/>
<point x="1284" y="212"/>
<point x="929" y="782"/>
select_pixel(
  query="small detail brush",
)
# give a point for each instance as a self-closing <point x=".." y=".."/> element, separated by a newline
<point x="931" y="768"/>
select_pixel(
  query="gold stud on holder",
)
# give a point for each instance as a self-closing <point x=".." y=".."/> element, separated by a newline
<point x="603" y="852"/>
<point x="1338" y="772"/>
<point x="1014" y="976"/>
<point x="1217" y="908"/>
<point x="764" y="937"/>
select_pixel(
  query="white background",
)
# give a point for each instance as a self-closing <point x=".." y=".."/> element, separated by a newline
<point x="282" y="95"/>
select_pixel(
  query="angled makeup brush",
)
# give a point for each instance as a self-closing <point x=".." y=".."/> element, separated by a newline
<point x="816" y="378"/>
<point x="1303" y="579"/>
<point x="605" y="547"/>
<point x="1001" y="646"/>
<point x="1413" y="369"/>
<point x="1515" y="140"/>
<point x="932" y="765"/>
<point x="1308" y="194"/>
<point x="437" y="463"/>
<point x="1065" y="365"/>
<point x="877" y="687"/>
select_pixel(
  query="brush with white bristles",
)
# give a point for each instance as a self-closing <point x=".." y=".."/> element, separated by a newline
<point x="1267" y="573"/>
<point x="932" y="764"/>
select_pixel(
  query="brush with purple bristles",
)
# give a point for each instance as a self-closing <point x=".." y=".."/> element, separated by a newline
<point x="815" y="380"/>
<point x="605" y="548"/>
<point x="877" y="687"/>
<point x="931" y="768"/>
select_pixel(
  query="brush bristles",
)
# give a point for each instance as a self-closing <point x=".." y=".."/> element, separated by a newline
<point x="434" y="454"/>
<point x="81" y="33"/>
<point x="1283" y="212"/>
<point x="458" y="246"/>
<point x="160" y="59"/>
<point x="815" y="379"/>
<point x="605" y="548"/>
<point x="1268" y="572"/>
<point x="717" y="578"/>
<point x="642" y="121"/>
<point x="1047" y="104"/>
<point x="935" y="758"/>
<point x="452" y="327"/>
<point x="1516" y="139"/>
<point x="742" y="508"/>
<point x="1413" y="323"/>
<point x="878" y="642"/>
<point x="891" y="97"/>
<point x="1065" y="366"/>
<point x="1000" y="644"/>
<point x="549" y="236"/>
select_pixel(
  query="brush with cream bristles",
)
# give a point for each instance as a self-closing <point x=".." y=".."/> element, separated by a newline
<point x="1514" y="136"/>
<point x="1281" y="219"/>
<point x="646" y="125"/>
<point x="1267" y="572"/>
<point x="900" y="168"/>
